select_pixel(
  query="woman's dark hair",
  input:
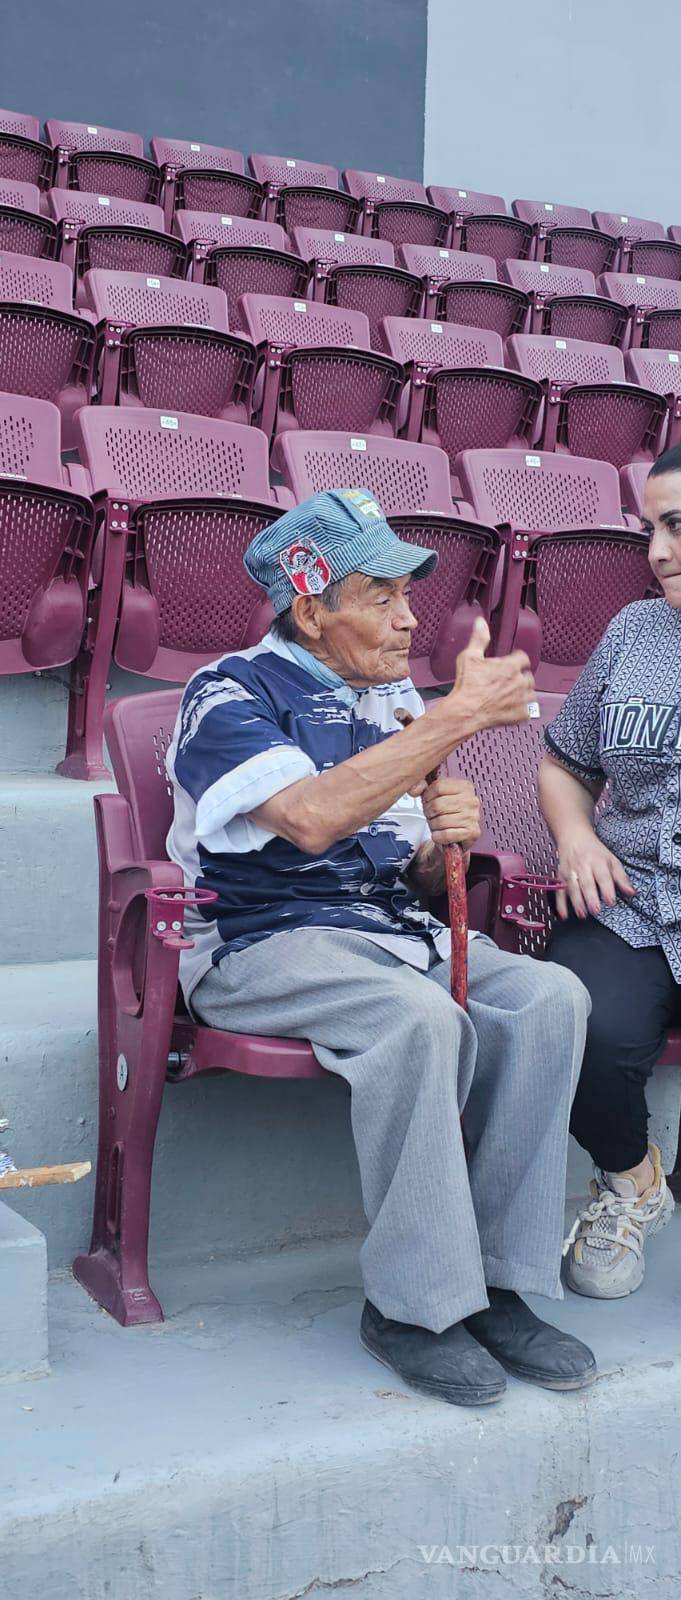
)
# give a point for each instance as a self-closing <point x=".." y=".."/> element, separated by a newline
<point x="669" y="461"/>
<point x="284" y="626"/>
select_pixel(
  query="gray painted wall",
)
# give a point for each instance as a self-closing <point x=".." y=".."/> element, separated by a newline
<point x="334" y="80"/>
<point x="564" y="100"/>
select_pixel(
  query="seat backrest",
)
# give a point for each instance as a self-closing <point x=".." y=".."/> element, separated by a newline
<point x="215" y="228"/>
<point x="497" y="236"/>
<point x="26" y="160"/>
<point x="378" y="186"/>
<point x="148" y="454"/>
<point x="542" y="356"/>
<point x="30" y="440"/>
<point x="139" y="729"/>
<point x="633" y="482"/>
<point x="659" y="370"/>
<point x="659" y="258"/>
<point x="23" y="196"/>
<point x="85" y="136"/>
<point x="536" y="490"/>
<point x="541" y="277"/>
<point x="637" y="289"/>
<point x="276" y="319"/>
<point x="322" y="244"/>
<point x="554" y="216"/>
<point x="181" y="153"/>
<point x="101" y="210"/>
<point x="441" y="344"/>
<point x="33" y="278"/>
<point x="20" y="122"/>
<point x="289" y="169"/>
<point x="429" y="261"/>
<point x="402" y="476"/>
<point x="136" y="298"/>
<point x="503" y="764"/>
<point x="466" y="202"/>
<point x="624" y="227"/>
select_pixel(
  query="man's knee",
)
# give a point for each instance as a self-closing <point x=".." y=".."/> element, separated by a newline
<point x="430" y="1026"/>
<point x="560" y="989"/>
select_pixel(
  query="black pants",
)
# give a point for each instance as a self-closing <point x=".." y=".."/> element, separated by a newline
<point x="635" y="1000"/>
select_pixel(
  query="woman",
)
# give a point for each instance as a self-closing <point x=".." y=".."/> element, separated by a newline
<point x="620" y="910"/>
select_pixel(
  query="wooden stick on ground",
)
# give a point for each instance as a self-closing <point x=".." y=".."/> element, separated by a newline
<point x="38" y="1177"/>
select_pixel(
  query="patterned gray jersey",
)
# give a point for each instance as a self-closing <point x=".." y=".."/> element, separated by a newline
<point x="621" y="723"/>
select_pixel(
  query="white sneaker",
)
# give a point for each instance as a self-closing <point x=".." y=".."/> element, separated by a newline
<point x="605" y="1244"/>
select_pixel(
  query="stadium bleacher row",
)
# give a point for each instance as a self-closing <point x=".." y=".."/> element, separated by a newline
<point x="190" y="342"/>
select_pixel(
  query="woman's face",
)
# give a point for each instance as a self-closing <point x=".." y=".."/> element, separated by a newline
<point x="662" y="522"/>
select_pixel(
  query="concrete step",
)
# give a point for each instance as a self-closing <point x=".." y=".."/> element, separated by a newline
<point x="23" y="1299"/>
<point x="250" y="1449"/>
<point x="48" y="868"/>
<point x="242" y="1164"/>
<point x="33" y="709"/>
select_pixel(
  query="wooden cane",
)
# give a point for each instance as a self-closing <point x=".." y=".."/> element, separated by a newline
<point x="455" y="878"/>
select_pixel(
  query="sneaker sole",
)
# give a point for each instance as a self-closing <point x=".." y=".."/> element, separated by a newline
<point x="435" y="1391"/>
<point x="565" y="1385"/>
<point x="588" y="1290"/>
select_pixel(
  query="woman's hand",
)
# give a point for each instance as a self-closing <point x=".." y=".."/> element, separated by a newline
<point x="452" y="811"/>
<point x="591" y="873"/>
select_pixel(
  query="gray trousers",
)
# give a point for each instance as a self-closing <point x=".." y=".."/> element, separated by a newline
<point x="443" y="1222"/>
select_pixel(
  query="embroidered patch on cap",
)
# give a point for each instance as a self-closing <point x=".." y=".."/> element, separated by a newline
<point x="306" y="568"/>
<point x="363" y="502"/>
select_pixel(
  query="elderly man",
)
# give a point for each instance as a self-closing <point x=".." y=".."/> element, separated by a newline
<point x="300" y="800"/>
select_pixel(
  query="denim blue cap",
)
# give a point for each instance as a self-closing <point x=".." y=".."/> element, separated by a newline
<point x="325" y="539"/>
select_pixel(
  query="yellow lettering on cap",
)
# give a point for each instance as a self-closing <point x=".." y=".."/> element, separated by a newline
<point x="368" y="507"/>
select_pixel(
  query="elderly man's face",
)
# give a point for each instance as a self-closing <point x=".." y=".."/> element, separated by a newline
<point x="368" y="639"/>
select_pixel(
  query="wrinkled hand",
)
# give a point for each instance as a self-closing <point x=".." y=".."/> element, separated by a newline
<point x="591" y="873"/>
<point x="452" y="811"/>
<point x="496" y="689"/>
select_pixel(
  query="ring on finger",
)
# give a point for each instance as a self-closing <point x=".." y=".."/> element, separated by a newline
<point x="574" y="877"/>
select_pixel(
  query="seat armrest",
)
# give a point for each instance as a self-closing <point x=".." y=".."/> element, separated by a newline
<point x="506" y="901"/>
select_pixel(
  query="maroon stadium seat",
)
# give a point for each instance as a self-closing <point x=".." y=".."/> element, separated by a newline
<point x="318" y="367"/>
<point x="590" y="409"/>
<point x="461" y="397"/>
<point x="26" y="160"/>
<point x="571" y="562"/>
<point x="46" y="541"/>
<point x="279" y="172"/>
<point x="178" y="498"/>
<point x="660" y="370"/>
<point x="436" y="265"/>
<point x="173" y="155"/>
<point x="463" y="203"/>
<point x="144" y="898"/>
<point x="642" y="296"/>
<point x="47" y="349"/>
<point x="26" y="126"/>
<point x="99" y="230"/>
<point x="166" y="343"/>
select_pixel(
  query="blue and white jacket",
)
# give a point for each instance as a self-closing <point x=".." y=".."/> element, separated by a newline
<point x="250" y="725"/>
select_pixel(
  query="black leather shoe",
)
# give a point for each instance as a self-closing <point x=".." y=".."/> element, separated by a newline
<point x="529" y="1348"/>
<point x="449" y="1366"/>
